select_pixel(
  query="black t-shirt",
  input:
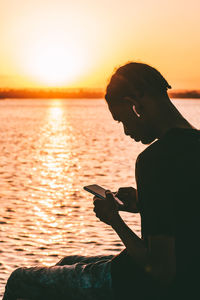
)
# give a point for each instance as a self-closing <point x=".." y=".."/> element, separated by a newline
<point x="168" y="183"/>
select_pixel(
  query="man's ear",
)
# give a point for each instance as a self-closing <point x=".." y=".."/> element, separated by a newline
<point x="136" y="106"/>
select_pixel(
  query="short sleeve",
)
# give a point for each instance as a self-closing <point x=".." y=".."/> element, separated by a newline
<point x="155" y="187"/>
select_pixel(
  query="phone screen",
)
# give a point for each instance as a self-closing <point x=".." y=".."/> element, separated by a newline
<point x="96" y="190"/>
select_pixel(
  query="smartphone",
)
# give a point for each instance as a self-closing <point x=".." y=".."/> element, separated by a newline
<point x="99" y="191"/>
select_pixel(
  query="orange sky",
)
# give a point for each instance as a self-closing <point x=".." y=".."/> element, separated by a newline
<point x="78" y="43"/>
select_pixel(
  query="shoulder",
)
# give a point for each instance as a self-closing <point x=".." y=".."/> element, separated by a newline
<point x="149" y="153"/>
<point x="176" y="143"/>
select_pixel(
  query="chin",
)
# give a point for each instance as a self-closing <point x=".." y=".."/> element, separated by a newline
<point x="147" y="140"/>
<point x="144" y="140"/>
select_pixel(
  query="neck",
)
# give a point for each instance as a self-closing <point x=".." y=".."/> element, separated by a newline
<point x="171" y="118"/>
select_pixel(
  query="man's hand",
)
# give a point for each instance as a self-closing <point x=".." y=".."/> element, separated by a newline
<point x="106" y="210"/>
<point x="128" y="195"/>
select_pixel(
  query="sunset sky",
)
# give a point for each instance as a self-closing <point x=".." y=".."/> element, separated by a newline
<point x="79" y="43"/>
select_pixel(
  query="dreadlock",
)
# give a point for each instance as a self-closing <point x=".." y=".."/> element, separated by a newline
<point x="138" y="76"/>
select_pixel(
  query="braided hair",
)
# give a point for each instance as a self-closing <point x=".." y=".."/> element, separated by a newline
<point x="139" y="76"/>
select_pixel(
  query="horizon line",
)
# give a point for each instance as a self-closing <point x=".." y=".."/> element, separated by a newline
<point x="81" y="93"/>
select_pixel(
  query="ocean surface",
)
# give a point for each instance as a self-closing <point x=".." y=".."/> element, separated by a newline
<point x="50" y="149"/>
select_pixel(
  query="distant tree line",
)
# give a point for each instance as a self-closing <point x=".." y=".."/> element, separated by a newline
<point x="194" y="94"/>
<point x="51" y="93"/>
<point x="77" y="93"/>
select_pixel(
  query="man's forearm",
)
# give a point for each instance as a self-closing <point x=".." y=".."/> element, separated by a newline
<point x="134" y="245"/>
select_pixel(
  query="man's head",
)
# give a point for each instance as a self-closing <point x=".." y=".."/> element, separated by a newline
<point x="136" y="95"/>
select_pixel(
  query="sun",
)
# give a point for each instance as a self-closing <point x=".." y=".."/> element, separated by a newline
<point x="55" y="64"/>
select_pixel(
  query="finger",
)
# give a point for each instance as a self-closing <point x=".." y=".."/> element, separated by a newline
<point x="96" y="198"/>
<point x="97" y="211"/>
<point x="121" y="191"/>
<point x="125" y="189"/>
<point x="109" y="195"/>
<point x="97" y="203"/>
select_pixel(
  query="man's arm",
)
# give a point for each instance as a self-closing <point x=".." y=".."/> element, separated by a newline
<point x="128" y="195"/>
<point x="134" y="245"/>
<point x="158" y="260"/>
<point x="162" y="258"/>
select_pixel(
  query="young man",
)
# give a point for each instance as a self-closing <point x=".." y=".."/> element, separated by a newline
<point x="165" y="262"/>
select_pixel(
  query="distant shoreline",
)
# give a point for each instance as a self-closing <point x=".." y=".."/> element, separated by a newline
<point x="78" y="93"/>
<point x="51" y="93"/>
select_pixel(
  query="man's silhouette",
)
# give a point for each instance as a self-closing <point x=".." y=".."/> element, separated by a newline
<point x="165" y="262"/>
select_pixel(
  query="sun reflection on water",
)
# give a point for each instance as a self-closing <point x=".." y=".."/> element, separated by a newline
<point x="54" y="178"/>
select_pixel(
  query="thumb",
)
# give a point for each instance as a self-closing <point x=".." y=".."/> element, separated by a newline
<point x="109" y="195"/>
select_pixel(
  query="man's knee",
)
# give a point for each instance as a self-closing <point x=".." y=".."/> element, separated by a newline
<point x="12" y="285"/>
<point x="15" y="275"/>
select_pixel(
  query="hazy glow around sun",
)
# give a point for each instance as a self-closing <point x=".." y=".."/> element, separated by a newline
<point x="54" y="63"/>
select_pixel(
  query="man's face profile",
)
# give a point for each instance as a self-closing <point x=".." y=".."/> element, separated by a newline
<point x="134" y="124"/>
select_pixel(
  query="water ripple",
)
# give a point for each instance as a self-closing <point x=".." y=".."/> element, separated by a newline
<point x="48" y="151"/>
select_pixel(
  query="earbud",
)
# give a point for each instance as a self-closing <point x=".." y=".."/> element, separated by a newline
<point x="135" y="111"/>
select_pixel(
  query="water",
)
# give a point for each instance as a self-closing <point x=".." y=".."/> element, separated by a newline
<point x="50" y="149"/>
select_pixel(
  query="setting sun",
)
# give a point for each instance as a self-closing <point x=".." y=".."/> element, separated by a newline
<point x="55" y="64"/>
<point x="79" y="43"/>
